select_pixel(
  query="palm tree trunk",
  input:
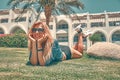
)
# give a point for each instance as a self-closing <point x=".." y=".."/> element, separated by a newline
<point x="48" y="11"/>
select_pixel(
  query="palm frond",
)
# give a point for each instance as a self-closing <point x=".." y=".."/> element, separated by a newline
<point x="67" y="7"/>
<point x="75" y="3"/>
<point x="17" y="18"/>
<point x="10" y="2"/>
<point x="38" y="16"/>
<point x="55" y="12"/>
<point x="39" y="10"/>
<point x="55" y="7"/>
<point x="15" y="4"/>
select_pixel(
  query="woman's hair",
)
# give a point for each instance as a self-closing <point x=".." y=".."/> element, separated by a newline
<point x="49" y="41"/>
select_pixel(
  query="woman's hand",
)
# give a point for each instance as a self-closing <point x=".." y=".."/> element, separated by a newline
<point x="42" y="39"/>
<point x="32" y="39"/>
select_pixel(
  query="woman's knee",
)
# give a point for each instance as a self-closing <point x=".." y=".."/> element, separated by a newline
<point x="76" y="54"/>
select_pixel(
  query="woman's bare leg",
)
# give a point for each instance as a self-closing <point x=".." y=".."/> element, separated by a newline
<point x="79" y="45"/>
<point x="75" y="53"/>
<point x="75" y="46"/>
<point x="77" y="50"/>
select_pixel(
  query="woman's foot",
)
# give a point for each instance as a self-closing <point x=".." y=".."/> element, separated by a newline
<point x="78" y="28"/>
<point x="87" y="33"/>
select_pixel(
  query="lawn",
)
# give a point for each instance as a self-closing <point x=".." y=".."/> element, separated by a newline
<point x="13" y="67"/>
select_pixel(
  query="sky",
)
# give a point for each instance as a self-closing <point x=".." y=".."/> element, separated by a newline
<point x="91" y="6"/>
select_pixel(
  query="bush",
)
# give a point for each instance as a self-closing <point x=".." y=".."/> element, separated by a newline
<point x="16" y="40"/>
<point x="95" y="38"/>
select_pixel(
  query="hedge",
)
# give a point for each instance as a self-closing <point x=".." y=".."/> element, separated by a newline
<point x="16" y="40"/>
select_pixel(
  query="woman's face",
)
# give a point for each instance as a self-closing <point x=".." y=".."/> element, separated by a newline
<point x="38" y="31"/>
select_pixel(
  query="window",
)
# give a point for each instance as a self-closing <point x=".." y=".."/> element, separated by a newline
<point x="50" y="26"/>
<point x="63" y="26"/>
<point x="62" y="38"/>
<point x="76" y="38"/>
<point x="4" y="20"/>
<point x="97" y="24"/>
<point x="83" y="25"/>
<point x="22" y="19"/>
<point x="114" y="23"/>
<point x="116" y="36"/>
<point x="1" y="32"/>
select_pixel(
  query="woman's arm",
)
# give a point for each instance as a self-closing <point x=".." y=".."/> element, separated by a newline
<point x="41" y="57"/>
<point x="30" y="40"/>
<point x="33" y="49"/>
<point x="29" y="44"/>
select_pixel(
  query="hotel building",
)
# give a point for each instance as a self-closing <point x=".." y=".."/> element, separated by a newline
<point x="62" y="27"/>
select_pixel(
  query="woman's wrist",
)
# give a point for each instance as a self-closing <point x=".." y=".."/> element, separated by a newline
<point x="30" y="37"/>
<point x="40" y="49"/>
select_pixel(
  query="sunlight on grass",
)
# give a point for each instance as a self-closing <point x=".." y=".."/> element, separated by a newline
<point x="13" y="67"/>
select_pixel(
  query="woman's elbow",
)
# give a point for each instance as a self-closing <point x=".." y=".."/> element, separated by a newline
<point x="34" y="63"/>
<point x="42" y="64"/>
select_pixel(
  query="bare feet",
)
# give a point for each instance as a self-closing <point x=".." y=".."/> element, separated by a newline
<point x="78" y="28"/>
<point x="87" y="33"/>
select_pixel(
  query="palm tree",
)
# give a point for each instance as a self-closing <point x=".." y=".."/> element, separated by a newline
<point x="50" y="7"/>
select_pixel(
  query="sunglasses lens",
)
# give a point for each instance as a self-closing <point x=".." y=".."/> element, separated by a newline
<point x="37" y="29"/>
<point x="40" y="29"/>
<point x="34" y="29"/>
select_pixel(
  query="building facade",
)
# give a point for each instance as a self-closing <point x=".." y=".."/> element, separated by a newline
<point x="62" y="27"/>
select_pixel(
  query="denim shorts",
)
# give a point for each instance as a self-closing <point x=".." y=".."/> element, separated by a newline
<point x="56" y="53"/>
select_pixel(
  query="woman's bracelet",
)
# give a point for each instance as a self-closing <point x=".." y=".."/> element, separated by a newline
<point x="40" y="49"/>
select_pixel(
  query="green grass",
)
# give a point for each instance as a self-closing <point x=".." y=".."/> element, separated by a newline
<point x="13" y="67"/>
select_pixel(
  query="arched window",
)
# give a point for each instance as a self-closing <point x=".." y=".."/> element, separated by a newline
<point x="102" y="36"/>
<point x="17" y="30"/>
<point x="116" y="37"/>
<point x="1" y="31"/>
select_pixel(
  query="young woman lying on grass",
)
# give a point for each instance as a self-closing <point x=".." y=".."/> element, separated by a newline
<point x="45" y="50"/>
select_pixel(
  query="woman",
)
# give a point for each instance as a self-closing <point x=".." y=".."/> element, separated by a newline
<point x="45" y="50"/>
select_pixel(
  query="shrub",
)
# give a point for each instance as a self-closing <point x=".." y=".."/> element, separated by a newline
<point x="16" y="40"/>
<point x="95" y="38"/>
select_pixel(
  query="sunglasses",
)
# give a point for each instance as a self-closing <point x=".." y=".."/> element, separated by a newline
<point x="37" y="29"/>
